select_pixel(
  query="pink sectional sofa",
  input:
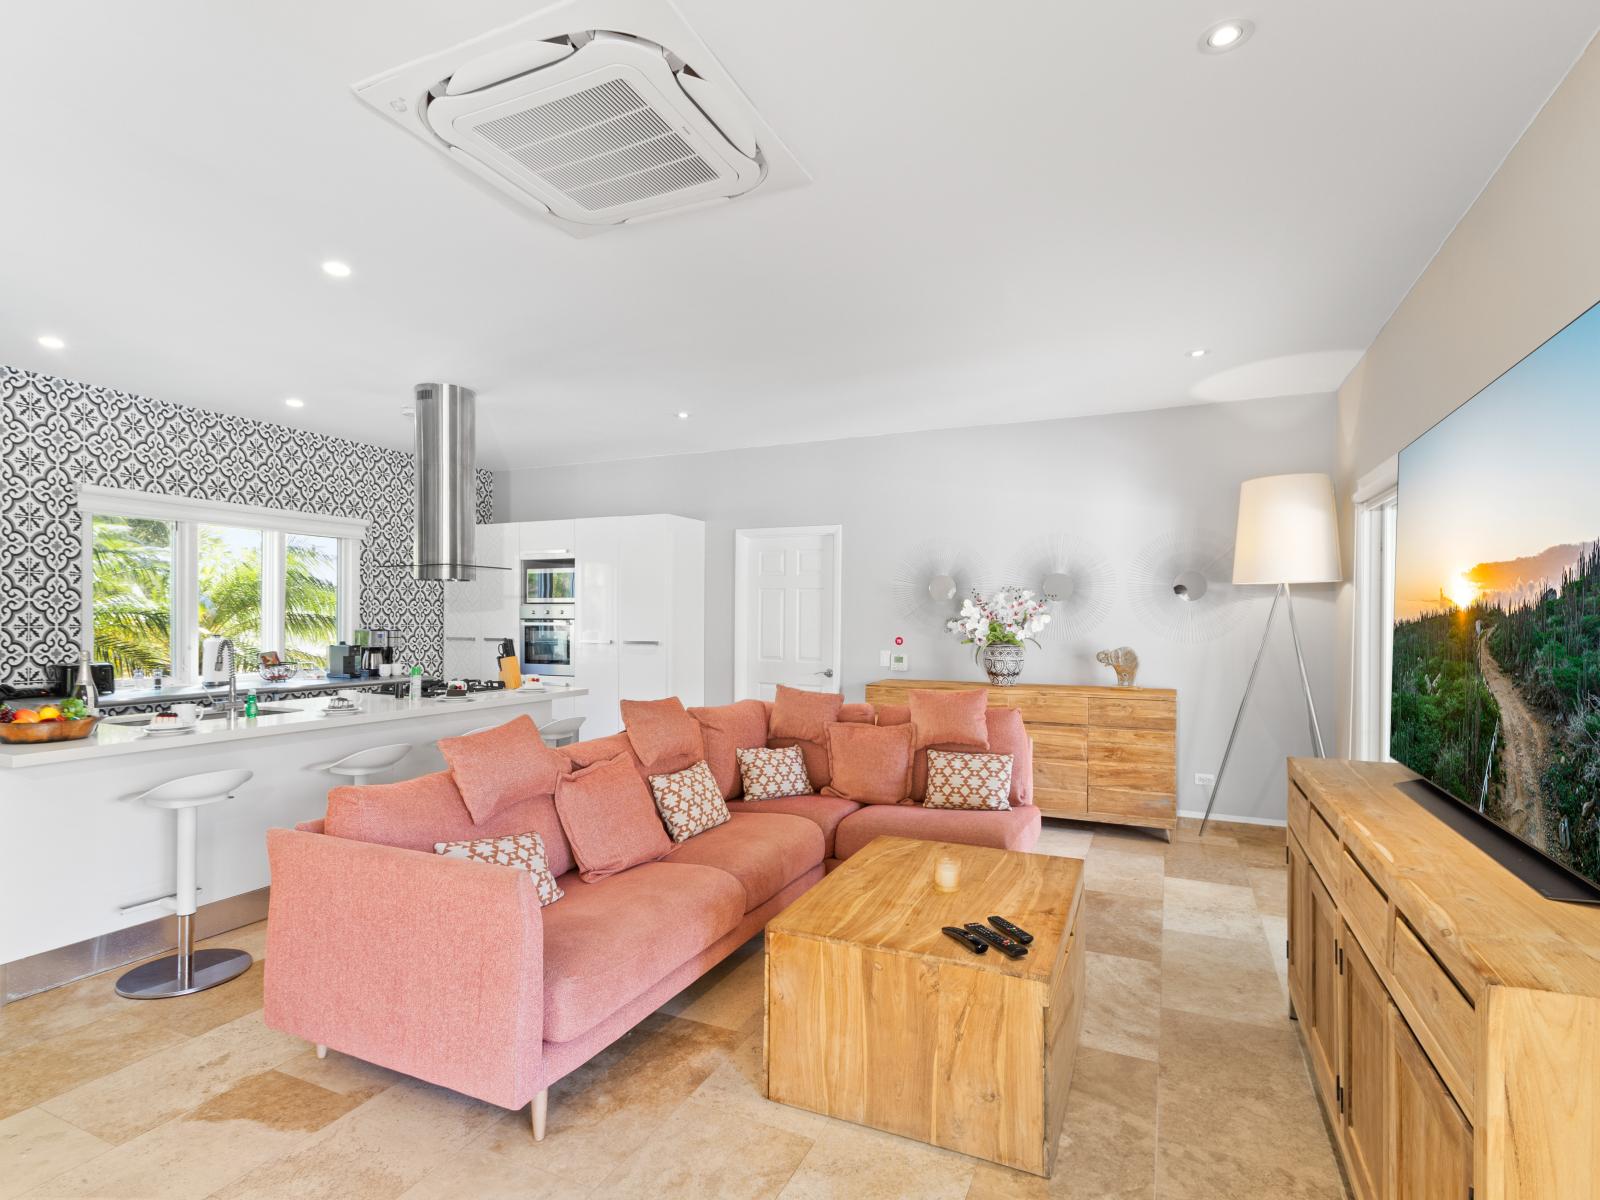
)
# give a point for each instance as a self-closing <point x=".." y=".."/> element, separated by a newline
<point x="449" y="970"/>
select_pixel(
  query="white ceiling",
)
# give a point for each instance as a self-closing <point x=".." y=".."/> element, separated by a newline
<point x="1010" y="219"/>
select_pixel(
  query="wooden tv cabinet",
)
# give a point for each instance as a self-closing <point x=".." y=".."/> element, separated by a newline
<point x="1450" y="1013"/>
<point x="1099" y="753"/>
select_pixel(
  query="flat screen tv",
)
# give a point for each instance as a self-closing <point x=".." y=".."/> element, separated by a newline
<point x="1496" y="685"/>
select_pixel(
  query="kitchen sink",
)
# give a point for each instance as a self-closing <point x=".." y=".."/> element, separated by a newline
<point x="136" y="719"/>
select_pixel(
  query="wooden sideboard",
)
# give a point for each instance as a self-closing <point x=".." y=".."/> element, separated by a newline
<point x="1099" y="753"/>
<point x="1450" y="1013"/>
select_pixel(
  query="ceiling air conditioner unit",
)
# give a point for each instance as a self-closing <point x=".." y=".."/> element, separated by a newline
<point x="590" y="127"/>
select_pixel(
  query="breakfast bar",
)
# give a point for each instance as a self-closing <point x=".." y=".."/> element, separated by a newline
<point x="74" y="853"/>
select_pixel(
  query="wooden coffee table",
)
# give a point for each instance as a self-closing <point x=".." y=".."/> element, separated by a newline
<point x="875" y="1016"/>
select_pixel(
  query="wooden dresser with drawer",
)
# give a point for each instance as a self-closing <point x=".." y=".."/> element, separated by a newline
<point x="1450" y="1013"/>
<point x="1099" y="753"/>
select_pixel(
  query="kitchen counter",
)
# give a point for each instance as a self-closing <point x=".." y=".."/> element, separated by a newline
<point x="82" y="867"/>
<point x="173" y="693"/>
<point x="111" y="739"/>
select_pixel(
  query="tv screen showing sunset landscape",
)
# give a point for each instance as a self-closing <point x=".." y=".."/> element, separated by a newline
<point x="1497" y="601"/>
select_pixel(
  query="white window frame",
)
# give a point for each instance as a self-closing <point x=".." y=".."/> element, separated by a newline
<point x="187" y="515"/>
<point x="1372" y="642"/>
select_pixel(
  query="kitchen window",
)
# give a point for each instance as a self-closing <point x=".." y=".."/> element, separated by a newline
<point x="162" y="573"/>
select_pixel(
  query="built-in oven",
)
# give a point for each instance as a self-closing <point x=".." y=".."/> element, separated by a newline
<point x="545" y="579"/>
<point x="547" y="637"/>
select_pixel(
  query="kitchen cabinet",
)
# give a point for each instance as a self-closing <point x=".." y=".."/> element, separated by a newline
<point x="597" y="545"/>
<point x="545" y="539"/>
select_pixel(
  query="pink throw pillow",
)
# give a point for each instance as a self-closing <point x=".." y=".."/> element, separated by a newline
<point x="524" y="851"/>
<point x="664" y="736"/>
<point x="728" y="729"/>
<point x="797" y="713"/>
<point x="690" y="802"/>
<point x="501" y="766"/>
<point x="869" y="764"/>
<point x="610" y="819"/>
<point x="950" y="718"/>
<point x="957" y="779"/>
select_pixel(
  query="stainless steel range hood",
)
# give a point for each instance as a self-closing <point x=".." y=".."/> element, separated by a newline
<point x="446" y="483"/>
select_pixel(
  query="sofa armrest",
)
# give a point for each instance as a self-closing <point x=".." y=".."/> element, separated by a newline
<point x="428" y="965"/>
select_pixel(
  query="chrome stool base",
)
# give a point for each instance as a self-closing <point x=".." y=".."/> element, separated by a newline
<point x="172" y="976"/>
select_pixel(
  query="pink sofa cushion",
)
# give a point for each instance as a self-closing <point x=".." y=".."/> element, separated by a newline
<point x="610" y="940"/>
<point x="664" y="736"/>
<point x="586" y="754"/>
<point x="1007" y="735"/>
<point x="727" y="728"/>
<point x="610" y="819"/>
<point x="950" y="718"/>
<point x="825" y="812"/>
<point x="816" y="753"/>
<point x="764" y="853"/>
<point x="869" y="764"/>
<point x="502" y="765"/>
<point x="1013" y="829"/>
<point x="416" y="813"/>
<point x="797" y="713"/>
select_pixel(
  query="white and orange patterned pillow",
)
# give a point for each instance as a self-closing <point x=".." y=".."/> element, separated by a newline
<point x="522" y="850"/>
<point x="772" y="774"/>
<point x="689" y="801"/>
<point x="963" y="780"/>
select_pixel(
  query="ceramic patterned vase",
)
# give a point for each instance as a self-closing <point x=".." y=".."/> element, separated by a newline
<point x="1003" y="664"/>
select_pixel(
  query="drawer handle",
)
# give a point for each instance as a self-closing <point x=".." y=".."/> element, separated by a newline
<point x="640" y="642"/>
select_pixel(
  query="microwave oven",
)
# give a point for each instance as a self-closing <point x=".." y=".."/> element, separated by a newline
<point x="547" y="579"/>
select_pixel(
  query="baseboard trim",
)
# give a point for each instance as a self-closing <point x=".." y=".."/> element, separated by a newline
<point x="1199" y="815"/>
<point x="52" y="968"/>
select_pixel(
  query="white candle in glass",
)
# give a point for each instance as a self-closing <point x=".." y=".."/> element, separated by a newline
<point x="946" y="874"/>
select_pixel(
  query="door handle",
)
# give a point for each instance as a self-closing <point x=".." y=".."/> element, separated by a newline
<point x="640" y="642"/>
<point x="595" y="642"/>
<point x="827" y="673"/>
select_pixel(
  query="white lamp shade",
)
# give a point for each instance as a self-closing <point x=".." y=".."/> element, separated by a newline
<point x="1288" y="531"/>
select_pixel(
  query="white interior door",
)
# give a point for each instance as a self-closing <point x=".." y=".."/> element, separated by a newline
<point x="786" y="611"/>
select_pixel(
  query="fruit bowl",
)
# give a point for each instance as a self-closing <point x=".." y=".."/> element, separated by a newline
<point x="19" y="733"/>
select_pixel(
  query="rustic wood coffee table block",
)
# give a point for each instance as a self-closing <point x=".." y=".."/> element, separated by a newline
<point x="875" y="1016"/>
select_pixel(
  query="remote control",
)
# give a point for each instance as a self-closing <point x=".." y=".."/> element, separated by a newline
<point x="1010" y="930"/>
<point x="967" y="940"/>
<point x="1010" y="947"/>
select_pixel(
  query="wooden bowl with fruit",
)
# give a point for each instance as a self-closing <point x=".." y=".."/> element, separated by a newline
<point x="66" y="722"/>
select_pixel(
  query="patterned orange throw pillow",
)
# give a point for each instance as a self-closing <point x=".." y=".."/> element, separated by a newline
<point x="961" y="780"/>
<point x="773" y="774"/>
<point x="524" y="851"/>
<point x="690" y="801"/>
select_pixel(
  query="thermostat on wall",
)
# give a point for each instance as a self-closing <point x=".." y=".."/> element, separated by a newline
<point x="899" y="661"/>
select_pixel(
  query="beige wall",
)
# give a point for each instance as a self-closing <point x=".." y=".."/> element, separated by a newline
<point x="1523" y="261"/>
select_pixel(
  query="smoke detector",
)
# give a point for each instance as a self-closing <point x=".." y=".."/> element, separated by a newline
<point x="591" y="114"/>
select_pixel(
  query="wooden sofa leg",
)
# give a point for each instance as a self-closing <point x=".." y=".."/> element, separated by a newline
<point x="322" y="1051"/>
<point x="538" y="1109"/>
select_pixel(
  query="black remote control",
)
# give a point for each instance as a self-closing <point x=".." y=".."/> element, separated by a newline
<point x="1010" y="947"/>
<point x="1010" y="930"/>
<point x="967" y="940"/>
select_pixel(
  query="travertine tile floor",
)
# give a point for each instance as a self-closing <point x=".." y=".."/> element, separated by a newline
<point x="1189" y="1082"/>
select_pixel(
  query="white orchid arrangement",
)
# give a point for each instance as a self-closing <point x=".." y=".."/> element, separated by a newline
<point x="1006" y="618"/>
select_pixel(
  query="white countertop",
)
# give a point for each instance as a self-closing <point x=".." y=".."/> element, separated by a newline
<point x="111" y="740"/>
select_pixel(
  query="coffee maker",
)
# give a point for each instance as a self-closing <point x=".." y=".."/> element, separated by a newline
<point x="347" y="661"/>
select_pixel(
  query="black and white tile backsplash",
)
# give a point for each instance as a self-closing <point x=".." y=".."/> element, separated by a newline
<point x="56" y="434"/>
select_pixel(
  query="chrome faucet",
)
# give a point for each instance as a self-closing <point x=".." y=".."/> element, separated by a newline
<point x="225" y="654"/>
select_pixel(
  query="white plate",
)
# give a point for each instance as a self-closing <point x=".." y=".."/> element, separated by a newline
<point x="152" y="731"/>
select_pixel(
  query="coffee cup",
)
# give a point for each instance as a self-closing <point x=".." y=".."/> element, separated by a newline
<point x="187" y="714"/>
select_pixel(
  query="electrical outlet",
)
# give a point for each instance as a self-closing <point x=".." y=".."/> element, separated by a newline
<point x="1205" y="779"/>
<point x="883" y="657"/>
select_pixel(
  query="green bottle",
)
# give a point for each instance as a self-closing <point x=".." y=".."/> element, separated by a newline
<point x="251" y="708"/>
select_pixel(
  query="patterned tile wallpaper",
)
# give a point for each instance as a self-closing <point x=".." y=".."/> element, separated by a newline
<point x="55" y="434"/>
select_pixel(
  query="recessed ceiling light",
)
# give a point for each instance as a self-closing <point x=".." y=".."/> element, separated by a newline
<point x="295" y="402"/>
<point x="337" y="269"/>
<point x="1226" y="35"/>
<point x="1199" y="352"/>
<point x="683" y="416"/>
<point x="51" y="342"/>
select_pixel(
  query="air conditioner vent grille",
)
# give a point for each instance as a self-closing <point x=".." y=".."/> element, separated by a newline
<point x="601" y="147"/>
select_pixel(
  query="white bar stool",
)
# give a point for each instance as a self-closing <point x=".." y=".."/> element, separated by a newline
<point x="363" y="763"/>
<point x="189" y="970"/>
<point x="562" y="732"/>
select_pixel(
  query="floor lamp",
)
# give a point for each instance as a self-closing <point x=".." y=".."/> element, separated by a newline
<point x="1288" y="534"/>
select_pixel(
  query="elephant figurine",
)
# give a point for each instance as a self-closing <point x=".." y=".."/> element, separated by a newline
<point x="1123" y="661"/>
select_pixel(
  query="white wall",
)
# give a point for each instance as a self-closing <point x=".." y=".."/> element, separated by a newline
<point x="1120" y="482"/>
<point x="1522" y="262"/>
